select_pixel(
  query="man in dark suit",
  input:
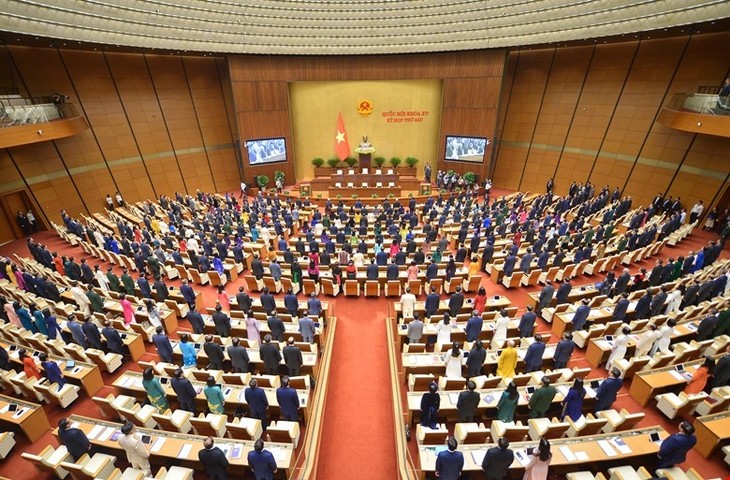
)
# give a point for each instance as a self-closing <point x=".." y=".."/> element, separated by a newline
<point x="391" y="271"/>
<point x="561" y="296"/>
<point x="144" y="286"/>
<point x="643" y="306"/>
<point x="161" y="290"/>
<point x="267" y="301"/>
<point x="222" y="322"/>
<point x="527" y="322"/>
<point x="608" y="390"/>
<point x="622" y="282"/>
<point x="288" y="400"/>
<point x="257" y="402"/>
<point x="474" y="326"/>
<point x="619" y="311"/>
<point x="475" y="360"/>
<point x="509" y="265"/>
<point x="467" y="403"/>
<point x="164" y="348"/>
<point x="261" y="462"/>
<point x="188" y="293"/>
<point x="93" y="337"/>
<point x="432" y="271"/>
<point x="674" y="449"/>
<point x="270" y="355"/>
<point x="497" y="461"/>
<point x="456" y="302"/>
<point x="546" y="296"/>
<point x="657" y="303"/>
<point x="580" y="318"/>
<point x="293" y="358"/>
<point x="239" y="356"/>
<point x="257" y="267"/>
<point x="533" y="356"/>
<point x="196" y="321"/>
<point x="449" y="463"/>
<point x="243" y="300"/>
<point x="276" y="326"/>
<point x="114" y="341"/>
<point x="563" y="351"/>
<point x="371" y="271"/>
<point x="73" y="439"/>
<point x="184" y="390"/>
<point x="707" y="325"/>
<point x="214" y="460"/>
<point x="214" y="352"/>
<point x="432" y="302"/>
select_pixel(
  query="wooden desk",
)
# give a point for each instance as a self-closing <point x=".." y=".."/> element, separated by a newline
<point x="563" y="321"/>
<point x="599" y="349"/>
<point x="133" y="341"/>
<point x="711" y="430"/>
<point x="166" y="447"/>
<point x="130" y="383"/>
<point x="584" y="453"/>
<point x="32" y="419"/>
<point x="493" y="304"/>
<point x="576" y="294"/>
<point x="430" y="362"/>
<point x="647" y="384"/>
<point x="86" y="375"/>
<point x="489" y="400"/>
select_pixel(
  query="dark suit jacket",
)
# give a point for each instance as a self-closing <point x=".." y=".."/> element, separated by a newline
<point x="75" y="440"/>
<point x="467" y="405"/>
<point x="288" y="400"/>
<point x="239" y="358"/>
<point x="271" y="357"/>
<point x="164" y="348"/>
<point x="674" y="449"/>
<point x="606" y="393"/>
<point x="215" y="355"/>
<point x="432" y="303"/>
<point x="455" y="303"/>
<point x="92" y="334"/>
<point x="496" y="463"/>
<point x="215" y="462"/>
<point x="222" y="324"/>
<point x="474" y="362"/>
<point x="293" y="356"/>
<point x="184" y="390"/>
<point x="113" y="340"/>
<point x="256" y="400"/>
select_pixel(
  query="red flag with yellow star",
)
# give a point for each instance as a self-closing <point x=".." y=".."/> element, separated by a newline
<point x="342" y="146"/>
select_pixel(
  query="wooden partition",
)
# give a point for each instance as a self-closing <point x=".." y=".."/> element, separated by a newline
<point x="590" y="113"/>
<point x="471" y="86"/>
<point x="157" y="124"/>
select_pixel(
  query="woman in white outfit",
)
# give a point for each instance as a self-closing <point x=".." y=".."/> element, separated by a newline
<point x="665" y="337"/>
<point x="453" y="362"/>
<point x="501" y="323"/>
<point x="618" y="350"/>
<point x="674" y="300"/>
<point x="443" y="332"/>
<point x="646" y="341"/>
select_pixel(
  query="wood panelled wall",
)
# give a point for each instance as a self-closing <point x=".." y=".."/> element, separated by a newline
<point x="158" y="125"/>
<point x="589" y="113"/>
<point x="472" y="82"/>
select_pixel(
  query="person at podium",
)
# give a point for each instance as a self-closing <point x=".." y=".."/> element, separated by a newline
<point x="365" y="143"/>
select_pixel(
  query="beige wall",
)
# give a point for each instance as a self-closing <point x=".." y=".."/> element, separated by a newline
<point x="589" y="112"/>
<point x="316" y="105"/>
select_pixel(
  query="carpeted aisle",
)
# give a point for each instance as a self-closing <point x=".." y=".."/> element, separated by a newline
<point x="357" y="435"/>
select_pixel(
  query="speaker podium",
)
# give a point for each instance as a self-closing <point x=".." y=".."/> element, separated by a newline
<point x="365" y="160"/>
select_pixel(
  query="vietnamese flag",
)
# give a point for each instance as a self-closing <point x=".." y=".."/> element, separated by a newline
<point x="342" y="146"/>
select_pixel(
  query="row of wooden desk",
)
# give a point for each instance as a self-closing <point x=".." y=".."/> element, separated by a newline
<point x="29" y="417"/>
<point x="170" y="448"/>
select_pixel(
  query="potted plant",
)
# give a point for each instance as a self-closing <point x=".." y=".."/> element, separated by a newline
<point x="395" y="161"/>
<point x="317" y="162"/>
<point x="390" y="195"/>
<point x="374" y="195"/>
<point x="333" y="162"/>
<point x="379" y="161"/>
<point x="470" y="178"/>
<point x="351" y="161"/>
<point x="411" y="161"/>
<point x="262" y="181"/>
<point x="339" y="195"/>
<point x="355" y="196"/>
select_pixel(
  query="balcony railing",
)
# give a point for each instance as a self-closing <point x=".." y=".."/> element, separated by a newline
<point x="706" y="100"/>
<point x="16" y="110"/>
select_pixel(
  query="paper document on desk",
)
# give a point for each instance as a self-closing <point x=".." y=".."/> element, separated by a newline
<point x="106" y="434"/>
<point x="478" y="456"/>
<point x="568" y="454"/>
<point x="563" y="389"/>
<point x="95" y="432"/>
<point x="621" y="446"/>
<point x="677" y="375"/>
<point x="279" y="454"/>
<point x="185" y="451"/>
<point x="157" y="446"/>
<point x="607" y="449"/>
<point x="5" y="408"/>
<point x="581" y="456"/>
<point x="453" y="398"/>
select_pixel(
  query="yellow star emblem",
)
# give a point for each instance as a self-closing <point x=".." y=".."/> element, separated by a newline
<point x="340" y="136"/>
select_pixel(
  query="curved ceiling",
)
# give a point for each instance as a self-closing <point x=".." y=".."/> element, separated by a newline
<point x="329" y="27"/>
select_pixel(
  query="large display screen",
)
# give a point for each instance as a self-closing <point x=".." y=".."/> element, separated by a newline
<point x="466" y="149"/>
<point x="266" y="150"/>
